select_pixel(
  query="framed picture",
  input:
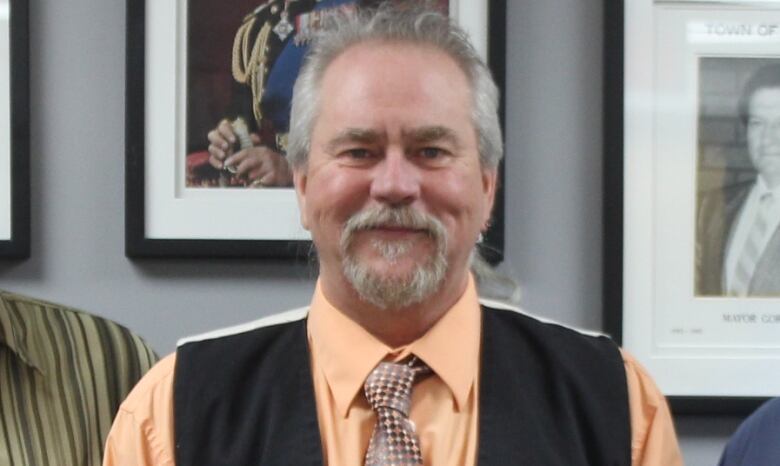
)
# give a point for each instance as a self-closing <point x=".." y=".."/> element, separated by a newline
<point x="198" y="69"/>
<point x="692" y="213"/>
<point x="14" y="131"/>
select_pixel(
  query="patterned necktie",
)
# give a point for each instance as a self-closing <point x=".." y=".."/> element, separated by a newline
<point x="751" y="251"/>
<point x="388" y="389"/>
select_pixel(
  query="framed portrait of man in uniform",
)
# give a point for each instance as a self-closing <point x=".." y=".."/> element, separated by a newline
<point x="14" y="131"/>
<point x="241" y="67"/>
<point x="208" y="113"/>
<point x="692" y="244"/>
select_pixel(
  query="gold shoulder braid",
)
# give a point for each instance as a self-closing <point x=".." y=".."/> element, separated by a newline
<point x="239" y="45"/>
<point x="258" y="61"/>
<point x="240" y="60"/>
<point x="257" y="44"/>
<point x="250" y="67"/>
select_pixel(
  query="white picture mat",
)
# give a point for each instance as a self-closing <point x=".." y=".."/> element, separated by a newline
<point x="176" y="212"/>
<point x="683" y="340"/>
<point x="5" y="121"/>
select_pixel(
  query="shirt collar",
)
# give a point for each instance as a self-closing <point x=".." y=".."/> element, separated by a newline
<point x="15" y="333"/>
<point x="760" y="189"/>
<point x="346" y="353"/>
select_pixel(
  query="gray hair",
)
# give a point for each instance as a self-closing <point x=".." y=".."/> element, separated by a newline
<point x="493" y="283"/>
<point x="390" y="22"/>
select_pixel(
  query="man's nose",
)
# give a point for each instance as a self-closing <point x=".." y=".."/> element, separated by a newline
<point x="396" y="179"/>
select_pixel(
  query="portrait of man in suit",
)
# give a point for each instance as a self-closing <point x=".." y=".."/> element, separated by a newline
<point x="737" y="234"/>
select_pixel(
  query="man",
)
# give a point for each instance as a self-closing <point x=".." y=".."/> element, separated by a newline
<point x="267" y="53"/>
<point x="755" y="442"/>
<point x="63" y="374"/>
<point x="738" y="243"/>
<point x="394" y="145"/>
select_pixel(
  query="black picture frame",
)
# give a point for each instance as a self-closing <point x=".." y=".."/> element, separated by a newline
<point x="615" y="187"/>
<point x="139" y="245"/>
<point x="18" y="245"/>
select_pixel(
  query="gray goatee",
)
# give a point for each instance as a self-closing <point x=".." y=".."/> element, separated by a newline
<point x="396" y="292"/>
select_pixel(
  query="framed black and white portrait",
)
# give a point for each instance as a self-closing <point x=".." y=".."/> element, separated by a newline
<point x="737" y="234"/>
<point x="692" y="250"/>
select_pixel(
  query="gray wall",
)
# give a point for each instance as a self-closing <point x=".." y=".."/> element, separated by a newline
<point x="553" y="209"/>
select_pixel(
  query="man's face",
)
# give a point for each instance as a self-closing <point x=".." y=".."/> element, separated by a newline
<point x="763" y="133"/>
<point x="394" y="156"/>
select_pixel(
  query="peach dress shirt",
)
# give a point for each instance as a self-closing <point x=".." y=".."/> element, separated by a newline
<point x="444" y="405"/>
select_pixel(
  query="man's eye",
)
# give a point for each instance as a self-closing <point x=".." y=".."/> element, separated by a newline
<point x="357" y="154"/>
<point x="755" y="123"/>
<point x="431" y="152"/>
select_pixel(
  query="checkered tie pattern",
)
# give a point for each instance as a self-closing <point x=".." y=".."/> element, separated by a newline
<point x="388" y="389"/>
<point x="751" y="252"/>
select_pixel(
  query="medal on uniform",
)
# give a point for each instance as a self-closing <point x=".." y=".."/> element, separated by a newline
<point x="283" y="28"/>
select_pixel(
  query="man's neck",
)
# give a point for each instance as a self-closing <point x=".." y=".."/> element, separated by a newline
<point x="394" y="327"/>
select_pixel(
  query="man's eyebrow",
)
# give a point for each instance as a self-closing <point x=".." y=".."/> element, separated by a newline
<point x="353" y="135"/>
<point x="427" y="134"/>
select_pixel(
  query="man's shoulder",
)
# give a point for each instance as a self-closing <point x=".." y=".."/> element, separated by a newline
<point x="25" y="312"/>
<point x="152" y="391"/>
<point x="764" y="422"/>
<point x="260" y="344"/>
<point x="29" y="305"/>
<point x="538" y="338"/>
<point x="755" y="441"/>
<point x="726" y="194"/>
<point x="50" y="308"/>
<point x="730" y="186"/>
<point x="262" y="11"/>
<point x="274" y="323"/>
<point x="510" y="314"/>
<point x="202" y="356"/>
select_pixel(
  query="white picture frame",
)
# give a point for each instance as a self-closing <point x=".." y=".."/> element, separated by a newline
<point x="708" y="353"/>
<point x="165" y="217"/>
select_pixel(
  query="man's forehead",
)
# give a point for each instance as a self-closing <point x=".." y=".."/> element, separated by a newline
<point x="410" y="135"/>
<point x="418" y="94"/>
<point x="372" y="53"/>
<point x="426" y="132"/>
<point x="765" y="94"/>
<point x="381" y="49"/>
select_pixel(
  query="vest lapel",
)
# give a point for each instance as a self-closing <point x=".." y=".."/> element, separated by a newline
<point x="247" y="399"/>
<point x="500" y="438"/>
<point x="537" y="408"/>
<point x="299" y="443"/>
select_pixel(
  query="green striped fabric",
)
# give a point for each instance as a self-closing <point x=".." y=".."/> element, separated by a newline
<point x="63" y="374"/>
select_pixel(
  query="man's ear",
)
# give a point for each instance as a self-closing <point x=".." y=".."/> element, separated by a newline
<point x="299" y="181"/>
<point x="489" y="184"/>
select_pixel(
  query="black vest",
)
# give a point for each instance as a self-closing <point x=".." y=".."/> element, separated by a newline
<point x="548" y="396"/>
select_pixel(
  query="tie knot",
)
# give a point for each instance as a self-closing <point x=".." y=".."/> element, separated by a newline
<point x="389" y="385"/>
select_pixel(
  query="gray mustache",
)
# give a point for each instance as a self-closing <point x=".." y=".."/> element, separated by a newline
<point x="403" y="217"/>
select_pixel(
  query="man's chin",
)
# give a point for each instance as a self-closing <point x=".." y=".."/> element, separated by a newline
<point x="392" y="276"/>
<point x="394" y="267"/>
<point x="392" y="286"/>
